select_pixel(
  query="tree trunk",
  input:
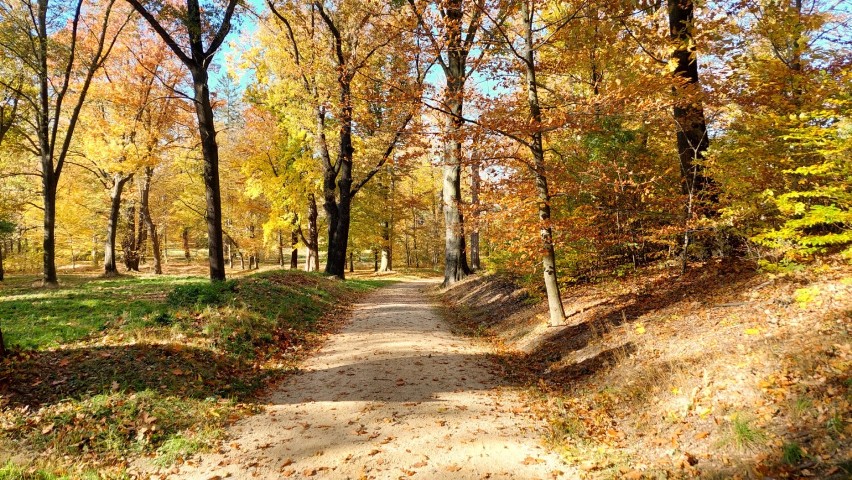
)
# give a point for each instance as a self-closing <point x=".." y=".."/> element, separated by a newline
<point x="312" y="241"/>
<point x="95" y="250"/>
<point x="210" y="151"/>
<point x="387" y="252"/>
<point x="338" y="209"/>
<point x="280" y="249"/>
<point x="145" y="212"/>
<point x="185" y="237"/>
<point x="351" y="261"/>
<point x="2" y="271"/>
<point x="536" y="146"/>
<point x="118" y="183"/>
<point x="49" y="245"/>
<point x="455" y="255"/>
<point x="131" y="249"/>
<point x="691" y="127"/>
<point x="474" y="203"/>
<point x="294" y="254"/>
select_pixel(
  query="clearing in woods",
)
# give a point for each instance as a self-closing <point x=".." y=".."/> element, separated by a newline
<point x="394" y="394"/>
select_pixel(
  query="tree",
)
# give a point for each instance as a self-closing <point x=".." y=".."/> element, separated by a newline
<point x="345" y="28"/>
<point x="61" y="48"/>
<point x="451" y="45"/>
<point x="691" y="126"/>
<point x="525" y="52"/>
<point x="198" y="27"/>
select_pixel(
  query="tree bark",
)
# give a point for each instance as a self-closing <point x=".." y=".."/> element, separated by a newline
<point x="2" y="270"/>
<point x="536" y="147"/>
<point x="118" y="182"/>
<point x="145" y="213"/>
<point x="690" y="123"/>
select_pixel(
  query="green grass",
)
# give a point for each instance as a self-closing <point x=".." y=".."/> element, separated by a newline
<point x="792" y="453"/>
<point x="743" y="435"/>
<point x="35" y="318"/>
<point x="123" y="367"/>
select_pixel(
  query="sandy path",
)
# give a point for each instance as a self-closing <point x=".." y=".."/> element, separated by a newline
<point x="394" y="395"/>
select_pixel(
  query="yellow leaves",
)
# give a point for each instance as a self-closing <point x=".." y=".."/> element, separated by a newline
<point x="639" y="328"/>
<point x="752" y="331"/>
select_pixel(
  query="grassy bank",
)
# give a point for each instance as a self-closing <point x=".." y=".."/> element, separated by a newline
<point x="107" y="370"/>
<point x="723" y="372"/>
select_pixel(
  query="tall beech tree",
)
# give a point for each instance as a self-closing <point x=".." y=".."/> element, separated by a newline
<point x="199" y="41"/>
<point x="451" y="42"/>
<point x="61" y="45"/>
<point x="360" y="38"/>
<point x="521" y="44"/>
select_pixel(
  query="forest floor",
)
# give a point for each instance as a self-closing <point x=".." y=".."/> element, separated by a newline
<point x="395" y="394"/>
<point x="725" y="371"/>
<point x="104" y="370"/>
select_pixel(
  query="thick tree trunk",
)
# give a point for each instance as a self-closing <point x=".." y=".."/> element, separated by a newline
<point x="118" y="183"/>
<point x="131" y="249"/>
<point x="691" y="127"/>
<point x="338" y="209"/>
<point x="455" y="255"/>
<point x="536" y="146"/>
<point x="145" y="212"/>
<point x="210" y="151"/>
<point x="474" y="203"/>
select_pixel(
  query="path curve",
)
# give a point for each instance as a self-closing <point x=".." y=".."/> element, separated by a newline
<point x="394" y="395"/>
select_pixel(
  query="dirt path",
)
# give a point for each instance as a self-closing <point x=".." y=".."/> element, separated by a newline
<point x="394" y="395"/>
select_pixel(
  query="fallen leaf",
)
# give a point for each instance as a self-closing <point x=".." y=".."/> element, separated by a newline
<point x="452" y="468"/>
<point x="532" y="461"/>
